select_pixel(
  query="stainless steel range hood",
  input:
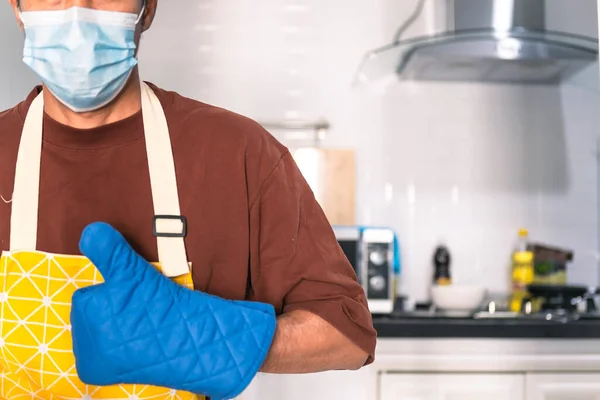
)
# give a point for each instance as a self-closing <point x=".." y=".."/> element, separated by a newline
<point x="499" y="41"/>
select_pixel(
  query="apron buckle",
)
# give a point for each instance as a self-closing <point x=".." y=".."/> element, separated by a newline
<point x="181" y="234"/>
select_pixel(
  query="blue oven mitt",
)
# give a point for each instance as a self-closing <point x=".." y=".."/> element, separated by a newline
<point x="139" y="327"/>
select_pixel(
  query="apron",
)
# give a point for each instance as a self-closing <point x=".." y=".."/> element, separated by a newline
<point x="36" y="357"/>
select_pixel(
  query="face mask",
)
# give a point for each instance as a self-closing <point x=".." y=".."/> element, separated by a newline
<point x="83" y="56"/>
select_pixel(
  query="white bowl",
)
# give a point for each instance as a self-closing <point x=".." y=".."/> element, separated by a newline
<point x="458" y="297"/>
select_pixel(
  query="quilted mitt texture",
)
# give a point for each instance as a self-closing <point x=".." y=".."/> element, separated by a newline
<point x="141" y="328"/>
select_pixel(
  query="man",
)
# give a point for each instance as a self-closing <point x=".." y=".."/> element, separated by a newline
<point x="254" y="229"/>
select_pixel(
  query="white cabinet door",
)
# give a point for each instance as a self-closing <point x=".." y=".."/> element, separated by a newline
<point x="467" y="386"/>
<point x="332" y="385"/>
<point x="563" y="386"/>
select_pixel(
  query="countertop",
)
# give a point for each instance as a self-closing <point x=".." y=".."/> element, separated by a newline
<point x="513" y="328"/>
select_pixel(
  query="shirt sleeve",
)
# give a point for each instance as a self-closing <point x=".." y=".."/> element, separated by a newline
<point x="296" y="262"/>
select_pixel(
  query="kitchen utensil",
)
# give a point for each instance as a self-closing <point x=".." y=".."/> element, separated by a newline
<point x="559" y="297"/>
<point x="550" y="264"/>
<point x="571" y="291"/>
<point x="458" y="297"/>
<point x="331" y="174"/>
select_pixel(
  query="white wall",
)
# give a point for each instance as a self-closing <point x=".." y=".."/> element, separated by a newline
<point x="16" y="81"/>
<point x="468" y="163"/>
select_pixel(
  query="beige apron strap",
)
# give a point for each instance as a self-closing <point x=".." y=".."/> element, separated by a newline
<point x="25" y="197"/>
<point x="168" y="223"/>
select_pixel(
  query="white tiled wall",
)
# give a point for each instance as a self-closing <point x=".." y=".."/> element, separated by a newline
<point x="465" y="163"/>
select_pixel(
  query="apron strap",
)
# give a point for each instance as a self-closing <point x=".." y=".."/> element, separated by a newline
<point x="169" y="226"/>
<point x="24" y="207"/>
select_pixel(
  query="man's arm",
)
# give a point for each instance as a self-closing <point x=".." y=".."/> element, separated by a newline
<point x="305" y="343"/>
<point x="297" y="265"/>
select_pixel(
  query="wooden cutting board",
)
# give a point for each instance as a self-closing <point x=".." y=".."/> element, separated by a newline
<point x="331" y="173"/>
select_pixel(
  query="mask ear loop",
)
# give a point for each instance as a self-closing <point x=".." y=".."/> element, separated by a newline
<point x="140" y="16"/>
<point x="21" y="13"/>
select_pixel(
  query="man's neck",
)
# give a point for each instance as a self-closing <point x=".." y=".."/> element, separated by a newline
<point x="125" y="105"/>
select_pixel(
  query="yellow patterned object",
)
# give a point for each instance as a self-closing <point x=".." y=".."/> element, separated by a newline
<point x="37" y="360"/>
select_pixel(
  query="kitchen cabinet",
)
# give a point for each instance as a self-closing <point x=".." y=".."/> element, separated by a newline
<point x="453" y="369"/>
<point x="563" y="386"/>
<point x="459" y="386"/>
<point x="332" y="385"/>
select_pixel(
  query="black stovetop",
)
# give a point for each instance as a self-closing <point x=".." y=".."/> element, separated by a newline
<point x="501" y="325"/>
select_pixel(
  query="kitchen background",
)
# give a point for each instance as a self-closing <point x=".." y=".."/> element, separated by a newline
<point x="467" y="164"/>
<point x="463" y="163"/>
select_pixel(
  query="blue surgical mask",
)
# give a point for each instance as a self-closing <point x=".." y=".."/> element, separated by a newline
<point x="83" y="56"/>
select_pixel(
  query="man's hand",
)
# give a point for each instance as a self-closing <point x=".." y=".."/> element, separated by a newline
<point x="139" y="327"/>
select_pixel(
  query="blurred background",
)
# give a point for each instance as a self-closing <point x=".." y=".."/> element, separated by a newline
<point x="452" y="144"/>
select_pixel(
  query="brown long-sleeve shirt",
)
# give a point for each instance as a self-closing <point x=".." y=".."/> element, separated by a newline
<point x="255" y="230"/>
